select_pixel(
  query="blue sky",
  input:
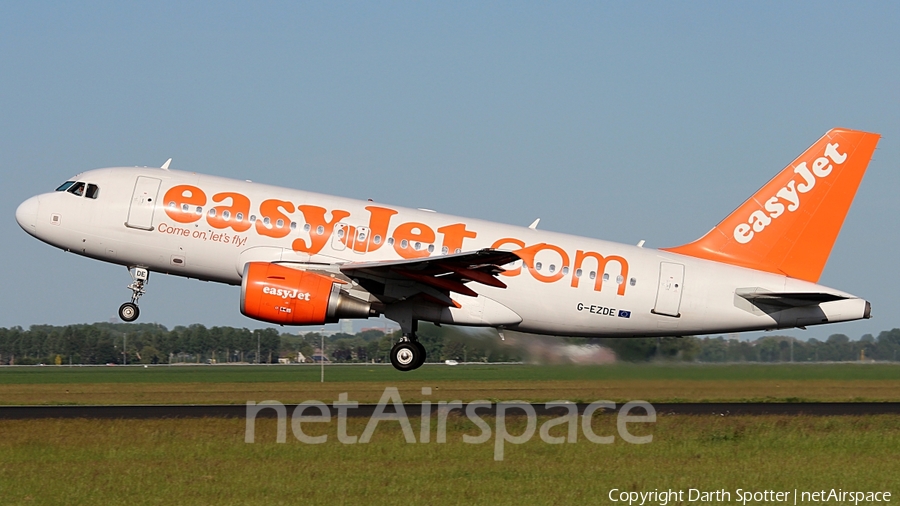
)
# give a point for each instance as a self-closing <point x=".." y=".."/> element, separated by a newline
<point x="622" y="121"/>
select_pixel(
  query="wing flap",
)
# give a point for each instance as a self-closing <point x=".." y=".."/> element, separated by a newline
<point x="446" y="273"/>
<point x="472" y="260"/>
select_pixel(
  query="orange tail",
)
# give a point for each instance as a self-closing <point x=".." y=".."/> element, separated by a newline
<point x="791" y="223"/>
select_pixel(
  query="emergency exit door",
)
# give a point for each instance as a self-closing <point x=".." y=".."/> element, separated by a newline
<point x="668" y="297"/>
<point x="143" y="201"/>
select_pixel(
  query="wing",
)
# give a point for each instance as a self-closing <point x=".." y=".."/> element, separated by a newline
<point x="432" y="278"/>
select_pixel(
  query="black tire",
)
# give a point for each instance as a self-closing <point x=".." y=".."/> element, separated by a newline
<point x="406" y="356"/>
<point x="129" y="312"/>
<point x="422" y="356"/>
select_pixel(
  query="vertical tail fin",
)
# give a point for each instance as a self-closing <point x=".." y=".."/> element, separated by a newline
<point x="789" y="226"/>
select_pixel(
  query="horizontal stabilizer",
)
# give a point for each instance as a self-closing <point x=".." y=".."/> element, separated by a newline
<point x="786" y="299"/>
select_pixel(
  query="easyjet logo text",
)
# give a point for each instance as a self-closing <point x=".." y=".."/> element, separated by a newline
<point x="789" y="196"/>
<point x="286" y="294"/>
<point x="282" y="218"/>
<point x="314" y="227"/>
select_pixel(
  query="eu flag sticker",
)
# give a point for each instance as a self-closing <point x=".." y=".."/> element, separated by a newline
<point x="624" y="314"/>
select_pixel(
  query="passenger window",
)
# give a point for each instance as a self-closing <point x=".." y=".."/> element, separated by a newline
<point x="92" y="191"/>
<point x="77" y="189"/>
<point x="65" y="186"/>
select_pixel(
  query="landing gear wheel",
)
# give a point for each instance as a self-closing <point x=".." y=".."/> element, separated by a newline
<point x="422" y="355"/>
<point x="406" y="356"/>
<point x="129" y="312"/>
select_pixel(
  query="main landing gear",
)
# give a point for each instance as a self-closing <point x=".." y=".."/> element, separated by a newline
<point x="129" y="311"/>
<point x="409" y="353"/>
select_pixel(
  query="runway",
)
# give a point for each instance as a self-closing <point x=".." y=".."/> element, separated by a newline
<point x="415" y="410"/>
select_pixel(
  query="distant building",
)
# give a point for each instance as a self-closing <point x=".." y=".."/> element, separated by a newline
<point x="318" y="357"/>
<point x="288" y="357"/>
<point x="347" y="326"/>
<point x="387" y="329"/>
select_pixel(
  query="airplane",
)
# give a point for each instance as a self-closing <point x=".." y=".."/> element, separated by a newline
<point x="303" y="258"/>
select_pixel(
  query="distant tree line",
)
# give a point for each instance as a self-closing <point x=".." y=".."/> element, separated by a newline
<point x="118" y="343"/>
<point x="441" y="343"/>
<point x="147" y="343"/>
<point x="837" y="348"/>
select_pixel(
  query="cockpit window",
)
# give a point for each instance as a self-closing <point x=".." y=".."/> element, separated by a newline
<point x="77" y="189"/>
<point x="80" y="189"/>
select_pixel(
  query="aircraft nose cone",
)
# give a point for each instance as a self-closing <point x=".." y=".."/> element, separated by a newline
<point x="26" y="214"/>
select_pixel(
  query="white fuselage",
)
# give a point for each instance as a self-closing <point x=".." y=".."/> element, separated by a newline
<point x="574" y="286"/>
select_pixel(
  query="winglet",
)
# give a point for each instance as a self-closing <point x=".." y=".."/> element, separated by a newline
<point x="165" y="166"/>
<point x="789" y="226"/>
<point x="534" y="224"/>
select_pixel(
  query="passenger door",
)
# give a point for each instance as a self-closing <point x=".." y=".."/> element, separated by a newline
<point x="143" y="202"/>
<point x="668" y="296"/>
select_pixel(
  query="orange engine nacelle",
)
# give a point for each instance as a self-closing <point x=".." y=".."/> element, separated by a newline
<point x="277" y="294"/>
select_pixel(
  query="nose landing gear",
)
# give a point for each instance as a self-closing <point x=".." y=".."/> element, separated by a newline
<point x="129" y="311"/>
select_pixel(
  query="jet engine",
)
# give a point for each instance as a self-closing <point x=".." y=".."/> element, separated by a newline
<point x="277" y="294"/>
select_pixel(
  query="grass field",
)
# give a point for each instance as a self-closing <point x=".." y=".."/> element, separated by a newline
<point x="207" y="462"/>
<point x="440" y="372"/>
<point x="365" y="383"/>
